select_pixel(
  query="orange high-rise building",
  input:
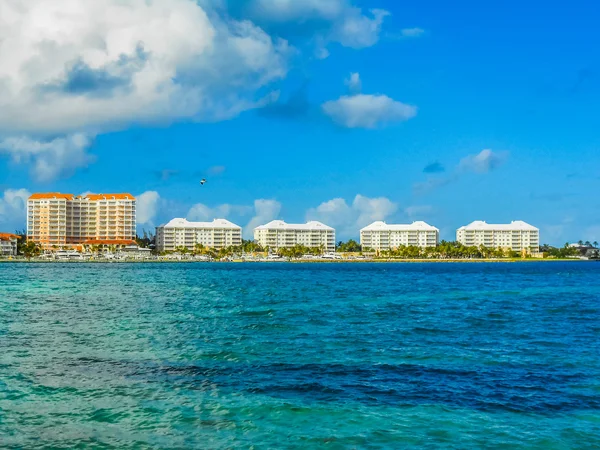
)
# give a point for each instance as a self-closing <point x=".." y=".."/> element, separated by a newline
<point x="58" y="220"/>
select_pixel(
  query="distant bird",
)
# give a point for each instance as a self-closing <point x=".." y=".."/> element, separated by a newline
<point x="202" y="181"/>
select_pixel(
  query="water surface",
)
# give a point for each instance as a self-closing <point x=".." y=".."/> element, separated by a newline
<point x="276" y="355"/>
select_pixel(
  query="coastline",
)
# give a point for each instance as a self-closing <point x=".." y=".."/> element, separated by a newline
<point x="299" y="261"/>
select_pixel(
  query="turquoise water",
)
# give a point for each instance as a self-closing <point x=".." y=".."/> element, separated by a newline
<point x="277" y="355"/>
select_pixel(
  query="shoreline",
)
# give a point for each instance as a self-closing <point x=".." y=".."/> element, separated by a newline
<point x="300" y="261"/>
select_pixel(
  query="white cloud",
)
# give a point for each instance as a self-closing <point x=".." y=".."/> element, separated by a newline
<point x="349" y="219"/>
<point x="357" y="30"/>
<point x="13" y="204"/>
<point x="354" y="83"/>
<point x="71" y="67"/>
<point x="482" y="162"/>
<point x="367" y="111"/>
<point x="331" y="20"/>
<point x="291" y="10"/>
<point x="412" y="32"/>
<point x="264" y="211"/>
<point x="202" y="213"/>
<point x="147" y="205"/>
<point x="68" y="64"/>
<point x="51" y="159"/>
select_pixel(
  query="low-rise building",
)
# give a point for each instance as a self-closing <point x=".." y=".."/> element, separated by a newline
<point x="517" y="236"/>
<point x="380" y="236"/>
<point x="178" y="233"/>
<point x="278" y="234"/>
<point x="8" y="244"/>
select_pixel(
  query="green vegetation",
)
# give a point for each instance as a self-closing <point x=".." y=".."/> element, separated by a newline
<point x="449" y="250"/>
<point x="297" y="251"/>
<point x="247" y="247"/>
<point x="348" y="247"/>
<point x="146" y="240"/>
<point x="30" y="249"/>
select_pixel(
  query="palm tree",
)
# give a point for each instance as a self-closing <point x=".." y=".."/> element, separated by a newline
<point x="595" y="243"/>
<point x="31" y="249"/>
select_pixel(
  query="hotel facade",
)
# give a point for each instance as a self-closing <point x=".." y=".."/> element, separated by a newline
<point x="217" y="234"/>
<point x="59" y="220"/>
<point x="8" y="244"/>
<point x="380" y="236"/>
<point x="278" y="234"/>
<point x="517" y="236"/>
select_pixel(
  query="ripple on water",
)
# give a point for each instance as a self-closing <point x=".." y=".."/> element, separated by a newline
<point x="300" y="356"/>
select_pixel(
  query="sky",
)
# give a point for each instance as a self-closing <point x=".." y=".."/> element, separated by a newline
<point x="342" y="111"/>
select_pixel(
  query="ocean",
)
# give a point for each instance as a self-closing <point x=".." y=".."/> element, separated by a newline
<point x="280" y="355"/>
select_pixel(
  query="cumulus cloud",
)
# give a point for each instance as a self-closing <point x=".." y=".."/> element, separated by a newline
<point x="202" y="213"/>
<point x="13" y="204"/>
<point x="264" y="211"/>
<point x="71" y="67"/>
<point x="357" y="30"/>
<point x="147" y="205"/>
<point x="325" y="20"/>
<point x="353" y="82"/>
<point x="367" y="111"/>
<point x="110" y="62"/>
<point x="51" y="159"/>
<point x="348" y="219"/>
<point x="478" y="163"/>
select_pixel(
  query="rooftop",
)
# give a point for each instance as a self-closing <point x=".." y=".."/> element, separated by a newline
<point x="516" y="225"/>
<point x="216" y="223"/>
<point x="8" y="236"/>
<point x="281" y="225"/>
<point x="415" y="226"/>
<point x="92" y="197"/>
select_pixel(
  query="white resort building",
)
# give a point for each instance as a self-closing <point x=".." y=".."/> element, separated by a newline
<point x="278" y="234"/>
<point x="380" y="236"/>
<point x="217" y="234"/>
<point x="517" y="236"/>
<point x="8" y="244"/>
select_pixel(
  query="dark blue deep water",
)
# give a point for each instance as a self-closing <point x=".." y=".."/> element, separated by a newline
<point x="277" y="355"/>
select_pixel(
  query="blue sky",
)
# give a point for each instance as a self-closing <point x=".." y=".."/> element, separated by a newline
<point x="337" y="110"/>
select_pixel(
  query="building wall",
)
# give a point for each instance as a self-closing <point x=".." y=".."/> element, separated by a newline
<point x="8" y="245"/>
<point x="516" y="240"/>
<point x="287" y="238"/>
<point x="61" y="219"/>
<point x="168" y="238"/>
<point x="384" y="240"/>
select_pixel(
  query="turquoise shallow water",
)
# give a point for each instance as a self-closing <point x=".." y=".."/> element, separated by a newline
<point x="498" y="356"/>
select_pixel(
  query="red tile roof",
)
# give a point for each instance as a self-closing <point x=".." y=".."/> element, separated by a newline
<point x="110" y="196"/>
<point x="51" y="195"/>
<point x="8" y="236"/>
